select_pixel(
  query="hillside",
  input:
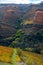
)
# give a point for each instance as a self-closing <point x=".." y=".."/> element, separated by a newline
<point x="6" y="30"/>
<point x="9" y="14"/>
<point x="17" y="56"/>
<point x="21" y="34"/>
<point x="16" y="19"/>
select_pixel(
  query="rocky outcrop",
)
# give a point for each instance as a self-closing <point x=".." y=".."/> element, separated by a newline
<point x="38" y="17"/>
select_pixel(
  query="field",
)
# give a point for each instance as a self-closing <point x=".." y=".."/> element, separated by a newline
<point x="5" y="54"/>
<point x="31" y="58"/>
<point x="10" y="56"/>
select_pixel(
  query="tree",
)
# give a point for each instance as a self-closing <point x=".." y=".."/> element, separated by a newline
<point x="18" y="39"/>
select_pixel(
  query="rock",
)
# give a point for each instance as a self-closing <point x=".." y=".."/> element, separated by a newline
<point x="38" y="17"/>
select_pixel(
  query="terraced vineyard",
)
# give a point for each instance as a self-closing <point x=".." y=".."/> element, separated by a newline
<point x="31" y="58"/>
<point x="10" y="56"/>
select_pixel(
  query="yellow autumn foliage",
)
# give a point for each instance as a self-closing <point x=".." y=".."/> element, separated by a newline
<point x="5" y="54"/>
<point x="34" y="57"/>
<point x="17" y="58"/>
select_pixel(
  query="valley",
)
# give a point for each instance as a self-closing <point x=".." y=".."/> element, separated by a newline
<point x="21" y="34"/>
